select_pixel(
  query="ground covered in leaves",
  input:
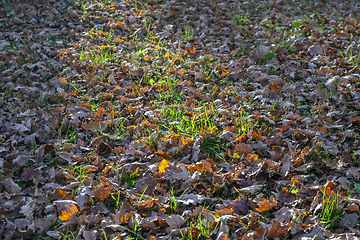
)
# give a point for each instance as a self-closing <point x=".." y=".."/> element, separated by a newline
<point x="179" y="119"/>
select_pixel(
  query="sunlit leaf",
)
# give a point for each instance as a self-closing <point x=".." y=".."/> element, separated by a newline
<point x="266" y="205"/>
<point x="163" y="164"/>
<point x="100" y="112"/>
<point x="163" y="154"/>
<point x="66" y="215"/>
<point x="101" y="192"/>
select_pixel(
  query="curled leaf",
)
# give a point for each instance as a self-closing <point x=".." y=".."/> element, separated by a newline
<point x="66" y="215"/>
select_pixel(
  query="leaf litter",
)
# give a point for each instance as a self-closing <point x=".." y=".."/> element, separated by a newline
<point x="179" y="119"/>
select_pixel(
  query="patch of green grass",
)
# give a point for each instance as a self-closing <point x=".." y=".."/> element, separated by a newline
<point x="240" y="19"/>
<point x="351" y="58"/>
<point x="188" y="31"/>
<point x="214" y="146"/>
<point x="270" y="55"/>
<point x="173" y="202"/>
<point x="201" y="120"/>
<point x="332" y="207"/>
<point x="50" y="161"/>
<point x="129" y="177"/>
<point x="200" y="229"/>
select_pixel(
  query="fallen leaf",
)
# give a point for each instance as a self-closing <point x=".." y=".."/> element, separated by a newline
<point x="266" y="205"/>
<point x="66" y="215"/>
<point x="163" y="164"/>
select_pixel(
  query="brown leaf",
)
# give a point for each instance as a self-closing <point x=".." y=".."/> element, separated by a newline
<point x="42" y="151"/>
<point x="99" y="113"/>
<point x="174" y="222"/>
<point x="21" y="160"/>
<point x="243" y="148"/>
<point x="10" y="186"/>
<point x="101" y="192"/>
<point x="266" y="205"/>
<point x="96" y="125"/>
<point x="163" y="154"/>
<point x="278" y="229"/>
<point x="315" y="50"/>
<point x="32" y="174"/>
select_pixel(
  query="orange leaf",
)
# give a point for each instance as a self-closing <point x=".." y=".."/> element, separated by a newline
<point x="163" y="154"/>
<point x="256" y="133"/>
<point x="124" y="100"/>
<point x="59" y="193"/>
<point x="322" y="129"/>
<point x="94" y="125"/>
<point x="252" y="157"/>
<point x="224" y="74"/>
<point x="203" y="166"/>
<point x="163" y="164"/>
<point x="66" y="215"/>
<point x="321" y="107"/>
<point x="243" y="148"/>
<point x="182" y="71"/>
<point x="278" y="229"/>
<point x="353" y="207"/>
<point x="266" y="205"/>
<point x="185" y="142"/>
<point x="225" y="211"/>
<point x="101" y="192"/>
<point x="191" y="50"/>
<point x="62" y="81"/>
<point x="99" y="113"/>
<point x="118" y="150"/>
<point x="75" y="94"/>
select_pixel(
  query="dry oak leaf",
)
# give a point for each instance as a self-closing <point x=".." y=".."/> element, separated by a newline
<point x="101" y="192"/>
<point x="243" y="148"/>
<point x="163" y="154"/>
<point x="252" y="158"/>
<point x="66" y="215"/>
<point x="163" y="164"/>
<point x="100" y="112"/>
<point x="278" y="229"/>
<point x="353" y="207"/>
<point x="94" y="125"/>
<point x="266" y="205"/>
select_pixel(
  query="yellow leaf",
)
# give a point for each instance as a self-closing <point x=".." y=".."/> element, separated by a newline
<point x="66" y="215"/>
<point x="236" y="155"/>
<point x="163" y="164"/>
<point x="167" y="54"/>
